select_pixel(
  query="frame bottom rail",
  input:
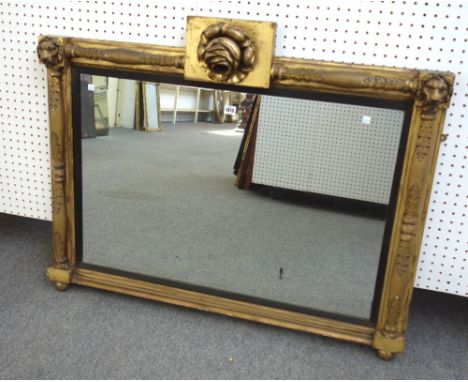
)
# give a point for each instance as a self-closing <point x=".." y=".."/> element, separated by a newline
<point x="360" y="334"/>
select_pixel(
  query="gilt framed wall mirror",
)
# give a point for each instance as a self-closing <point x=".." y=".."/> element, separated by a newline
<point x="222" y="178"/>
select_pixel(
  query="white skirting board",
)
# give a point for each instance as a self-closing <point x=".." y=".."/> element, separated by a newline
<point x="415" y="34"/>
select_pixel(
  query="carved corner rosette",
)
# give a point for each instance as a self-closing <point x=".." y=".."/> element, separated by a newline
<point x="227" y="51"/>
<point x="50" y="51"/>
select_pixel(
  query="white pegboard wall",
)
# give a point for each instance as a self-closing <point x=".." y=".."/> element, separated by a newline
<point x="416" y="34"/>
<point x="325" y="148"/>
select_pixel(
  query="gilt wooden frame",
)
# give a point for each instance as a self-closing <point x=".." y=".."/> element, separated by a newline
<point x="429" y="93"/>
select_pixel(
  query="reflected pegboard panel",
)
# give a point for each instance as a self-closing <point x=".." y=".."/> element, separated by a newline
<point x="327" y="148"/>
<point x="415" y="34"/>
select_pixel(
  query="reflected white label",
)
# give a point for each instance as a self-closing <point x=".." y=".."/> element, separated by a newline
<point x="229" y="110"/>
<point x="366" y="119"/>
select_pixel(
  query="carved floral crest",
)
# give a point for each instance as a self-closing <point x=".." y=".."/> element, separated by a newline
<point x="227" y="51"/>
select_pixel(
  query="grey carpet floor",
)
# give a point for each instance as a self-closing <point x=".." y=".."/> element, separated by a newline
<point x="86" y="333"/>
<point x="164" y="204"/>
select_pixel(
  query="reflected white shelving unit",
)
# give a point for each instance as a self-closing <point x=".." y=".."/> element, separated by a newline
<point x="190" y="101"/>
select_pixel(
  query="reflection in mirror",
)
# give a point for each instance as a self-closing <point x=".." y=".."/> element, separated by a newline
<point x="270" y="198"/>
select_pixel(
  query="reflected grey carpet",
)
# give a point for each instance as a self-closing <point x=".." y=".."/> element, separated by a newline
<point x="164" y="204"/>
<point x="85" y="333"/>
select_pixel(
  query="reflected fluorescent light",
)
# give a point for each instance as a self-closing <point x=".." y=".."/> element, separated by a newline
<point x="227" y="133"/>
